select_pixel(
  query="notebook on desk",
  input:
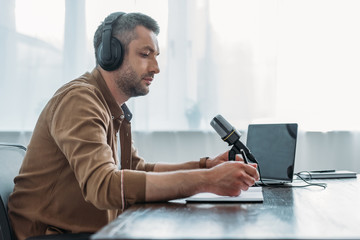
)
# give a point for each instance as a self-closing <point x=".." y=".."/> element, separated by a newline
<point x="328" y="174"/>
<point x="274" y="147"/>
<point x="252" y="195"/>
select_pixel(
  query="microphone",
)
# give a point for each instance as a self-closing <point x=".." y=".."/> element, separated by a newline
<point x="227" y="132"/>
<point x="232" y="136"/>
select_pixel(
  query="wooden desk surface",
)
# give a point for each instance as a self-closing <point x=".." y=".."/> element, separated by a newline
<point x="287" y="213"/>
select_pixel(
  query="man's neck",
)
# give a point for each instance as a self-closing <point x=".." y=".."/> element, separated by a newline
<point x="109" y="78"/>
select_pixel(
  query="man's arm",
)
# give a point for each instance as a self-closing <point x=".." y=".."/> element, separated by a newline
<point x="228" y="179"/>
<point x="167" y="167"/>
<point x="207" y="163"/>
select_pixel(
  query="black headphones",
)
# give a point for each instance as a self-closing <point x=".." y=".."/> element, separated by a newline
<point x="110" y="52"/>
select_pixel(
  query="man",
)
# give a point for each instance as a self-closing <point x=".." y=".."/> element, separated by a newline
<point x="71" y="179"/>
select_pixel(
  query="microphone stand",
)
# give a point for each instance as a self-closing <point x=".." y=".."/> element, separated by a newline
<point x="240" y="148"/>
<point x="235" y="150"/>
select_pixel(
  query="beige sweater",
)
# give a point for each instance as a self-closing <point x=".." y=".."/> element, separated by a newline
<point x="70" y="180"/>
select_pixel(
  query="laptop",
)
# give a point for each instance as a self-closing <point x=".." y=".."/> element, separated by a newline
<point x="274" y="147"/>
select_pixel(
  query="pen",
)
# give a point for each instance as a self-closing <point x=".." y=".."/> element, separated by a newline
<point x="244" y="156"/>
<point x="323" y="171"/>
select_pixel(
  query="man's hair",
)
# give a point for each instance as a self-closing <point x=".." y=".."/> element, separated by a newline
<point x="124" y="29"/>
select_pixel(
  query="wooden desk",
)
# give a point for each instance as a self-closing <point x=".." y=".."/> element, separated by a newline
<point x="287" y="213"/>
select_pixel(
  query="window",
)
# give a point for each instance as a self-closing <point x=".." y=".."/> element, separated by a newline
<point x="251" y="61"/>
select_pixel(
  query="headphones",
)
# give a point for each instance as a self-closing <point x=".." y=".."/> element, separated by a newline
<point x="110" y="52"/>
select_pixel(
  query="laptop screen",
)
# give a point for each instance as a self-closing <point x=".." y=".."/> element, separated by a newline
<point x="273" y="146"/>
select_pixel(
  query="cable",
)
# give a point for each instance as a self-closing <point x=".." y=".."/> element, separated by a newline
<point x="13" y="145"/>
<point x="323" y="185"/>
<point x="246" y="160"/>
<point x="308" y="184"/>
<point x="262" y="182"/>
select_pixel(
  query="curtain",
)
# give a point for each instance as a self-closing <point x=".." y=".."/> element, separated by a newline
<point x="251" y="61"/>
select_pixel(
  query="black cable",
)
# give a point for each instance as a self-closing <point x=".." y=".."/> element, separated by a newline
<point x="13" y="145"/>
<point x="246" y="160"/>
<point x="323" y="185"/>
<point x="308" y="184"/>
<point x="262" y="182"/>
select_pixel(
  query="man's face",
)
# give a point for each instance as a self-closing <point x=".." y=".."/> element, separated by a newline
<point x="140" y="64"/>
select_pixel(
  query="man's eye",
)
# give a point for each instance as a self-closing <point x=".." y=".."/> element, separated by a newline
<point x="144" y="54"/>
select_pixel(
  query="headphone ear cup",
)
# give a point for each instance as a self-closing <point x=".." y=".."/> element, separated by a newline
<point x="117" y="55"/>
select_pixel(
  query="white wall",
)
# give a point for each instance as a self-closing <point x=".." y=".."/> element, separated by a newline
<point x="315" y="150"/>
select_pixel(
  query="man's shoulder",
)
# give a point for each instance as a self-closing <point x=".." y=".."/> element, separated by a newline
<point x="84" y="84"/>
<point x="81" y="91"/>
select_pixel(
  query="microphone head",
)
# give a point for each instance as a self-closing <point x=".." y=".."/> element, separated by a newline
<point x="230" y="135"/>
<point x="221" y="126"/>
<point x="226" y="131"/>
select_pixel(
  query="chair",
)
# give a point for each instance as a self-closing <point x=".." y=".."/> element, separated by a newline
<point x="11" y="156"/>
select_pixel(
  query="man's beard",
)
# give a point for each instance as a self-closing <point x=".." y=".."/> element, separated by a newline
<point x="130" y="83"/>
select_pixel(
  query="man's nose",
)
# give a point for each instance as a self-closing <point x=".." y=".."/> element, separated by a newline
<point x="155" y="67"/>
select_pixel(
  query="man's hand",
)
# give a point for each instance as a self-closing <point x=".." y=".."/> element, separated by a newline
<point x="231" y="177"/>
<point x="224" y="157"/>
<point x="222" y="177"/>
